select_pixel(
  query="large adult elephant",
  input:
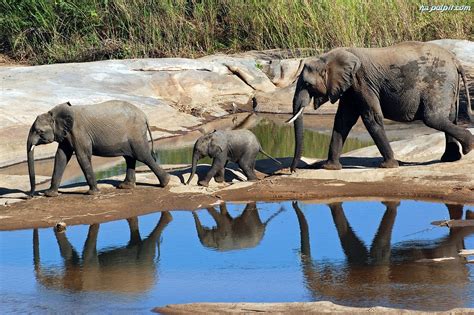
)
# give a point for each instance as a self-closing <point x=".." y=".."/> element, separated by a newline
<point x="405" y="82"/>
<point x="385" y="271"/>
<point x="113" y="128"/>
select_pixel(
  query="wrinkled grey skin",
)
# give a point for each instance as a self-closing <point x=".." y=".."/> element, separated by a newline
<point x="127" y="269"/>
<point x="112" y="128"/>
<point x="239" y="146"/>
<point x="389" y="263"/>
<point x="245" y="231"/>
<point x="405" y="82"/>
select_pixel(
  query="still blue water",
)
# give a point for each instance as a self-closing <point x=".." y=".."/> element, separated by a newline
<point x="354" y="253"/>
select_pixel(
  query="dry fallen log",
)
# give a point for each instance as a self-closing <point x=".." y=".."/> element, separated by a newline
<point x="454" y="223"/>
<point x="466" y="252"/>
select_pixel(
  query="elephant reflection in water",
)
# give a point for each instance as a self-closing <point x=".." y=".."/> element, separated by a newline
<point x="129" y="269"/>
<point x="245" y="231"/>
<point x="386" y="273"/>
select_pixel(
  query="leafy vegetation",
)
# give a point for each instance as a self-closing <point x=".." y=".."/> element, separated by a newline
<point x="49" y="31"/>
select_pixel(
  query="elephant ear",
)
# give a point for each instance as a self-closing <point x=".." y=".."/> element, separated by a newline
<point x="63" y="117"/>
<point x="217" y="144"/>
<point x="341" y="69"/>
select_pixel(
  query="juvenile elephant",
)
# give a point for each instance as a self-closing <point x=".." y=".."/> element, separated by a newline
<point x="405" y="82"/>
<point x="112" y="128"/>
<point x="239" y="146"/>
<point x="244" y="231"/>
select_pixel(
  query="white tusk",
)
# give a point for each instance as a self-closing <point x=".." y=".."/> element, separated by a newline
<point x="32" y="147"/>
<point x="296" y="116"/>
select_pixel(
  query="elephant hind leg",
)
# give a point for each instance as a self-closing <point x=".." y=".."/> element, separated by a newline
<point x="142" y="153"/>
<point x="247" y="167"/>
<point x="452" y="132"/>
<point x="129" y="181"/>
<point x="160" y="173"/>
<point x="452" y="152"/>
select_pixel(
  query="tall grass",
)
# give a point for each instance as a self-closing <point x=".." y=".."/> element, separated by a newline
<point x="47" y="31"/>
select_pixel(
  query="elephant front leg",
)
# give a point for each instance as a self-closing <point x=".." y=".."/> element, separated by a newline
<point x="346" y="117"/>
<point x="248" y="169"/>
<point x="220" y="175"/>
<point x="373" y="121"/>
<point x="84" y="160"/>
<point x="217" y="164"/>
<point x="62" y="157"/>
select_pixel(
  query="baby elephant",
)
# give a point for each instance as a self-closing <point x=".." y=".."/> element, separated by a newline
<point x="112" y="128"/>
<point x="239" y="146"/>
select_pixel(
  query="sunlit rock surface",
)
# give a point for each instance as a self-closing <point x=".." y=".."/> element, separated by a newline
<point x="175" y="93"/>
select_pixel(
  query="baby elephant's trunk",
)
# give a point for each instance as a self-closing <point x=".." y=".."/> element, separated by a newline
<point x="193" y="171"/>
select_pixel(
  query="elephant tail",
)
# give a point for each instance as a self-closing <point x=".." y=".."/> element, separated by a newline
<point x="468" y="110"/>
<point x="268" y="155"/>
<point x="151" y="139"/>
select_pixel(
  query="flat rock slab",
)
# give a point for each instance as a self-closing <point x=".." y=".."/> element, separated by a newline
<point x="175" y="93"/>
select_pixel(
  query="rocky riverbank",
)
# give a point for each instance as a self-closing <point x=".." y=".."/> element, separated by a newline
<point x="180" y="98"/>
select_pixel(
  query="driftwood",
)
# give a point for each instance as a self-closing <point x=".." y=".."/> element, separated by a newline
<point x="454" y="223"/>
<point x="466" y="252"/>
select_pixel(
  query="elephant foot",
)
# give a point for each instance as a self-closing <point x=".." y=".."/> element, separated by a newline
<point x="394" y="204"/>
<point x="467" y="148"/>
<point x="166" y="217"/>
<point x="203" y="183"/>
<point x="333" y="166"/>
<point x="451" y="153"/>
<point x="389" y="164"/>
<point x="126" y="185"/>
<point x="219" y="179"/>
<point x="164" y="181"/>
<point x="51" y="193"/>
<point x="93" y="191"/>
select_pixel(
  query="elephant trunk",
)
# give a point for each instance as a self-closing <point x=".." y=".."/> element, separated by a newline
<point x="300" y="100"/>
<point x="31" y="162"/>
<point x="193" y="171"/>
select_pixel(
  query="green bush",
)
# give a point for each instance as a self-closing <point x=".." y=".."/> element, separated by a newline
<point x="48" y="31"/>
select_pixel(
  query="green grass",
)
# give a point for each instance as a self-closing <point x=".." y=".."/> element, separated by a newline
<point x="49" y="31"/>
